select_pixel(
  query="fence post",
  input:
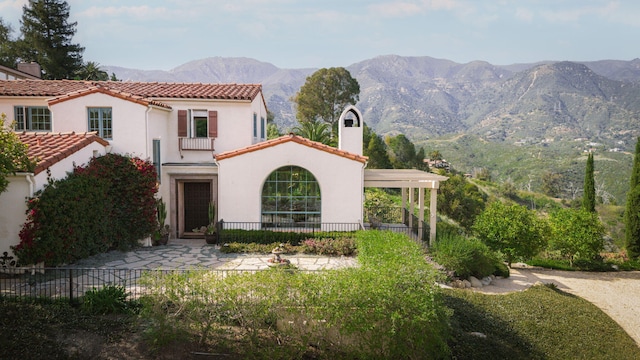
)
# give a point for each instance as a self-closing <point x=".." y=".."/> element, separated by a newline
<point x="70" y="286"/>
<point x="219" y="227"/>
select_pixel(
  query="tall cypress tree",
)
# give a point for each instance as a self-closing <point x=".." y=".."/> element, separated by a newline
<point x="589" y="195"/>
<point x="47" y="39"/>
<point x="632" y="211"/>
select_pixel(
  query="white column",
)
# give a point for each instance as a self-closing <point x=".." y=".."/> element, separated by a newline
<point x="420" y="212"/>
<point x="404" y="203"/>
<point x="411" y="201"/>
<point x="433" y="206"/>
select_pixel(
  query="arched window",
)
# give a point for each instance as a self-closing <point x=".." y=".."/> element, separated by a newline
<point x="291" y="198"/>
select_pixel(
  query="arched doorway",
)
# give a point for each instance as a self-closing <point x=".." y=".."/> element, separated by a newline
<point x="291" y="198"/>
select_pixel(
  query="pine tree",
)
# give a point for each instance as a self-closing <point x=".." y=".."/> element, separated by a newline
<point x="632" y="211"/>
<point x="589" y="194"/>
<point x="8" y="56"/>
<point x="376" y="150"/>
<point x="47" y="39"/>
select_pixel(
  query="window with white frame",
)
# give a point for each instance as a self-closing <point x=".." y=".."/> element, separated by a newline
<point x="32" y="118"/>
<point x="197" y="123"/>
<point x="101" y="121"/>
<point x="263" y="125"/>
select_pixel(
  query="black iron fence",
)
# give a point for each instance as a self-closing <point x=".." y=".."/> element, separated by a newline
<point x="73" y="283"/>
<point x="259" y="232"/>
<point x="415" y="225"/>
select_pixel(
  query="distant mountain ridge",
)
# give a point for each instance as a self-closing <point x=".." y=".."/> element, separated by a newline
<point x="424" y="97"/>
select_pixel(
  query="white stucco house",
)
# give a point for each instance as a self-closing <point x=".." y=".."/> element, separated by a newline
<point x="208" y="143"/>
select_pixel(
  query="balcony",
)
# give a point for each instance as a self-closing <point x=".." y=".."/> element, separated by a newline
<point x="196" y="144"/>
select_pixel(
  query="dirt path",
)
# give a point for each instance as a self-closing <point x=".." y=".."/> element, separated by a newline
<point x="616" y="293"/>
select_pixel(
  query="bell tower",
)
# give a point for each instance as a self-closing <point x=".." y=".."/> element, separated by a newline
<point x="350" y="130"/>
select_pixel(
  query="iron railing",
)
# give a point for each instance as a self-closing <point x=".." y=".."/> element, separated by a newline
<point x="201" y="144"/>
<point x="263" y="231"/>
<point x="73" y="283"/>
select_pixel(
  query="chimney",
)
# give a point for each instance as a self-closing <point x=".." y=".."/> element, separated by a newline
<point x="32" y="68"/>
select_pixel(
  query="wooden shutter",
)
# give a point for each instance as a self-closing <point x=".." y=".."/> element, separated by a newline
<point x="182" y="123"/>
<point x="213" y="124"/>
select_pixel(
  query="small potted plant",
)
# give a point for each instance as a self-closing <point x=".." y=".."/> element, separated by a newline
<point x="210" y="231"/>
<point x="161" y="234"/>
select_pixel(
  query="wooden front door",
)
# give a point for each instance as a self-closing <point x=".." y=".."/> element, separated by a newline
<point x="197" y="196"/>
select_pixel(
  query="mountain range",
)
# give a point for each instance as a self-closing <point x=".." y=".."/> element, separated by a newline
<point x="424" y="97"/>
<point x="521" y="122"/>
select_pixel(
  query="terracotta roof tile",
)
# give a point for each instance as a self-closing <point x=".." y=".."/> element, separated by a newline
<point x="138" y="91"/>
<point x="115" y="93"/>
<point x="49" y="148"/>
<point x="296" y="139"/>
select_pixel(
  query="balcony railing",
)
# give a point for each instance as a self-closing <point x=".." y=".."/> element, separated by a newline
<point x="197" y="144"/>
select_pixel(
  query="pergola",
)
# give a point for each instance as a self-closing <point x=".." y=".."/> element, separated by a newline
<point x="407" y="180"/>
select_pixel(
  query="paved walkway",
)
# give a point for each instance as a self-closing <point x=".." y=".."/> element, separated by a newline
<point x="195" y="253"/>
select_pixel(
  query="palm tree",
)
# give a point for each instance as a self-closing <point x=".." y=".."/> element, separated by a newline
<point x="91" y="71"/>
<point x="315" y="130"/>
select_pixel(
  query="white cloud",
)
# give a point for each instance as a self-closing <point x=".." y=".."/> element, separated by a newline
<point x="139" y="12"/>
<point x="410" y="8"/>
<point x="525" y="15"/>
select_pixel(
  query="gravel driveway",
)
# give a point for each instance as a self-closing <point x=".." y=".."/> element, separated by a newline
<point x="616" y="293"/>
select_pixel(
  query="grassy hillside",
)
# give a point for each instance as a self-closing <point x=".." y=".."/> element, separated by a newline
<point x="526" y="164"/>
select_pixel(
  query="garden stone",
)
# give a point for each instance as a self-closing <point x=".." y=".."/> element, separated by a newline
<point x="478" y="334"/>
<point x="486" y="280"/>
<point x="466" y="284"/>
<point x="475" y="282"/>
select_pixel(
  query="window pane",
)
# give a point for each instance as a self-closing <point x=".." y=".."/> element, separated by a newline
<point x="255" y="125"/>
<point x="107" y="133"/>
<point x="291" y="197"/>
<point x="201" y="126"/>
<point x="100" y="120"/>
<point x="19" y="117"/>
<point x="40" y="118"/>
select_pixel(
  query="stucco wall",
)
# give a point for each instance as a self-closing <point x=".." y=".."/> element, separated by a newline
<point x="235" y="127"/>
<point x="7" y="104"/>
<point x="128" y="121"/>
<point x="241" y="179"/>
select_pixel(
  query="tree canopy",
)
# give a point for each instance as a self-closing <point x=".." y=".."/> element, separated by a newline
<point x="632" y="211"/>
<point x="589" y="196"/>
<point x="13" y="154"/>
<point x="512" y="229"/>
<point x="8" y="55"/>
<point x="325" y="94"/>
<point x="315" y="130"/>
<point x="46" y="39"/>
<point x="376" y="150"/>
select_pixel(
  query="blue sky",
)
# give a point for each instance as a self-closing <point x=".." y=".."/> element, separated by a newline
<point x="163" y="34"/>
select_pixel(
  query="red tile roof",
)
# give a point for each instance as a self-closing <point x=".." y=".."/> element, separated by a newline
<point x="296" y="139"/>
<point x="148" y="92"/>
<point x="115" y="93"/>
<point x="49" y="148"/>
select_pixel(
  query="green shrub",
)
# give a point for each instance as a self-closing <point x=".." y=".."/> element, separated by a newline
<point x="389" y="307"/>
<point x="342" y="246"/>
<point x="577" y="234"/>
<point x="236" y="247"/>
<point x="110" y="299"/>
<point x="467" y="256"/>
<point x="107" y="204"/>
<point x="280" y="237"/>
<point x="514" y="230"/>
